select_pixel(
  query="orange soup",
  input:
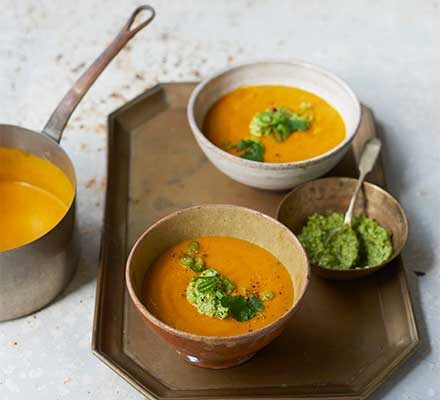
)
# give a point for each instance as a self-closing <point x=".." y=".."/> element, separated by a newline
<point x="250" y="268"/>
<point x="34" y="197"/>
<point x="228" y="121"/>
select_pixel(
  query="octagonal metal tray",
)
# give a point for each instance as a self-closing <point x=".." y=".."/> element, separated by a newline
<point x="343" y="343"/>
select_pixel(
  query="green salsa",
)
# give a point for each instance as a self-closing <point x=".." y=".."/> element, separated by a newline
<point x="332" y="244"/>
<point x="206" y="292"/>
<point x="214" y="296"/>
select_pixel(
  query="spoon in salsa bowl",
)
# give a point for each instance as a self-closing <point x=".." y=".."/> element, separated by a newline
<point x="333" y="242"/>
<point x="328" y="199"/>
<point x="366" y="163"/>
<point x="348" y="233"/>
<point x="343" y="234"/>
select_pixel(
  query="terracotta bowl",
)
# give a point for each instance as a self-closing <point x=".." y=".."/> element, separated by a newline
<point x="274" y="176"/>
<point x="217" y="220"/>
<point x="333" y="194"/>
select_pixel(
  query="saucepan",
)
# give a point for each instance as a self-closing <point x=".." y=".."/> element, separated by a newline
<point x="32" y="275"/>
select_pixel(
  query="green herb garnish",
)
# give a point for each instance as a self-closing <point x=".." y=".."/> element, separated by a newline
<point x="255" y="303"/>
<point x="213" y="295"/>
<point x="242" y="308"/>
<point x="206" y="291"/>
<point x="250" y="150"/>
<point x="206" y="283"/>
<point x="279" y="122"/>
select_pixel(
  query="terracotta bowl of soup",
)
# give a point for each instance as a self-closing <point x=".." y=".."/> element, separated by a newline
<point x="221" y="108"/>
<point x="199" y="339"/>
<point x="328" y="195"/>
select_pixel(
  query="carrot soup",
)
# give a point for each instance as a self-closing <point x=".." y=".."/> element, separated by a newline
<point x="34" y="196"/>
<point x="274" y="124"/>
<point x="217" y="286"/>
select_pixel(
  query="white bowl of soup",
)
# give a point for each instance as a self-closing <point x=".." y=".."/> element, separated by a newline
<point x="217" y="282"/>
<point x="273" y="125"/>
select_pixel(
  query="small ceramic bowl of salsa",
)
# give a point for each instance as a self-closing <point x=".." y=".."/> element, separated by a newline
<point x="379" y="224"/>
<point x="217" y="282"/>
<point x="273" y="125"/>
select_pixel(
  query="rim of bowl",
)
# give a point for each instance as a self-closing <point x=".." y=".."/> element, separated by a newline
<point x="272" y="166"/>
<point x="74" y="186"/>
<point x="205" y="338"/>
<point x="376" y="187"/>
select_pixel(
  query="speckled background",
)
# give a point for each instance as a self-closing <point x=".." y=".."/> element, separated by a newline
<point x="388" y="52"/>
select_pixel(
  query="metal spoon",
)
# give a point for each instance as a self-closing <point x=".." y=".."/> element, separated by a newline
<point x="368" y="158"/>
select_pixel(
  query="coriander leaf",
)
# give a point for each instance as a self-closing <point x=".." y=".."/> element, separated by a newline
<point x="280" y="122"/>
<point x="255" y="303"/>
<point x="211" y="294"/>
<point x="244" y="144"/>
<point x="242" y="308"/>
<point x="239" y="308"/>
<point x="253" y="152"/>
<point x="298" y="124"/>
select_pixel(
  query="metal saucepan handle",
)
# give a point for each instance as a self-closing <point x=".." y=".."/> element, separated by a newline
<point x="58" y="120"/>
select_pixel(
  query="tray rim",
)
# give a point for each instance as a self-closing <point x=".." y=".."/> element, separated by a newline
<point x="112" y="363"/>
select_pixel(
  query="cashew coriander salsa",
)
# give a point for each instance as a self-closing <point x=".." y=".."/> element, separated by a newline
<point x="331" y="244"/>
<point x="275" y="124"/>
<point x="217" y="286"/>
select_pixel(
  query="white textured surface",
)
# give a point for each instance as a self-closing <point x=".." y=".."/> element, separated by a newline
<point x="388" y="51"/>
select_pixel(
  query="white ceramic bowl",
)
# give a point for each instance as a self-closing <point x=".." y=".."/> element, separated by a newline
<point x="289" y="73"/>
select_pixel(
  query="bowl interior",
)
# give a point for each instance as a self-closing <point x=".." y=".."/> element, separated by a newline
<point x="297" y="74"/>
<point x="219" y="220"/>
<point x="333" y="194"/>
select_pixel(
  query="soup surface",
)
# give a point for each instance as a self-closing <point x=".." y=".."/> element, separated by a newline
<point x="229" y="119"/>
<point x="246" y="265"/>
<point x="34" y="197"/>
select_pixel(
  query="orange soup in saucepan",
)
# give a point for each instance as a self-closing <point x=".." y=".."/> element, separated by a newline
<point x="291" y="124"/>
<point x="253" y="287"/>
<point x="34" y="197"/>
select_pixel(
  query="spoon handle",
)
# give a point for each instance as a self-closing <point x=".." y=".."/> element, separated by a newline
<point x="58" y="120"/>
<point x="366" y="163"/>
